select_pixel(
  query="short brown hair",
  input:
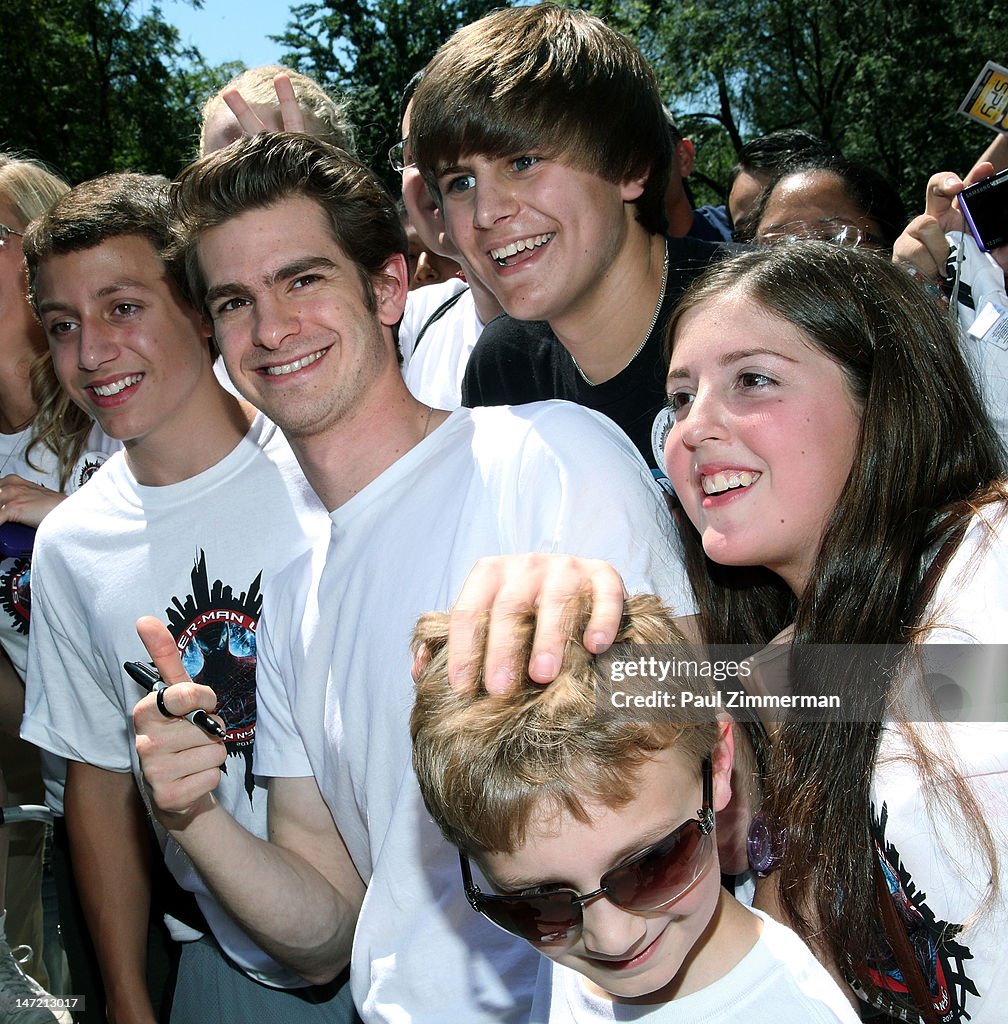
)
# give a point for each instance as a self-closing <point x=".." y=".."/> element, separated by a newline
<point x="524" y="78"/>
<point x="485" y="762"/>
<point x="95" y="212"/>
<point x="261" y="170"/>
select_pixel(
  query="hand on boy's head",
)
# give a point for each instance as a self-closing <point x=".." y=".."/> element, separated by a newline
<point x="290" y="117"/>
<point x="180" y="763"/>
<point x="505" y="586"/>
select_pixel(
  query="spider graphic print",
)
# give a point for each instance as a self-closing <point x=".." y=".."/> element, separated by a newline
<point x="215" y="630"/>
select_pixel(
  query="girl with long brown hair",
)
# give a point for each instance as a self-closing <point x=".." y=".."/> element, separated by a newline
<point x="839" y="482"/>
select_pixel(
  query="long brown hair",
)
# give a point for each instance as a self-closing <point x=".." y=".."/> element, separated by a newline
<point x="927" y="458"/>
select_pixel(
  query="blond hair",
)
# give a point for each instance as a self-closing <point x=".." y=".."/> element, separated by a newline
<point x="32" y="188"/>
<point x="485" y="762"/>
<point x="29" y="186"/>
<point x="325" y="117"/>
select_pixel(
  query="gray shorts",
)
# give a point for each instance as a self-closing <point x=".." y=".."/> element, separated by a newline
<point x="212" y="990"/>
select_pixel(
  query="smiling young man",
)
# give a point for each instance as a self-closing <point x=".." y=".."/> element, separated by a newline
<point x="543" y="134"/>
<point x="167" y="524"/>
<point x="297" y="253"/>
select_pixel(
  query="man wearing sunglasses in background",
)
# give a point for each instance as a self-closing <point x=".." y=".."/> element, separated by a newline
<point x="297" y="254"/>
<point x="595" y="829"/>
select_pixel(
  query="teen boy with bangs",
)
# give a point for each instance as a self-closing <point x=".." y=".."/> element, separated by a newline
<point x="595" y="832"/>
<point x="542" y="133"/>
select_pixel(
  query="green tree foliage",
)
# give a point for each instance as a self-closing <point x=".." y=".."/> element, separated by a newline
<point x="98" y="85"/>
<point x="368" y="50"/>
<point x="881" y="79"/>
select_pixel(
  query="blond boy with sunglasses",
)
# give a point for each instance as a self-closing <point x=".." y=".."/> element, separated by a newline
<point x="594" y="833"/>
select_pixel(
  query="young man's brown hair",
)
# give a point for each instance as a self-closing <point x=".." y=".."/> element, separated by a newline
<point x="551" y="81"/>
<point x="94" y="212"/>
<point x="261" y="170"/>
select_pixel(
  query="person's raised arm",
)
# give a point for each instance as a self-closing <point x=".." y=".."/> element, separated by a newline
<point x="923" y="244"/>
<point x="297" y="895"/>
<point x="996" y="154"/>
<point x="107" y="826"/>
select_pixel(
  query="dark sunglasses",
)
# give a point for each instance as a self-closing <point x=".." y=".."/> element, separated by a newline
<point x="651" y="879"/>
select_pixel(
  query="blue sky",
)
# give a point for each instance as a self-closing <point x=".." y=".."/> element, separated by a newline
<point x="225" y="30"/>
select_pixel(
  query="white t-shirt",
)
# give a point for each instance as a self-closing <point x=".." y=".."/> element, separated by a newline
<point x="195" y="554"/>
<point x="335" y="691"/>
<point x="982" y="308"/>
<point x="434" y="365"/>
<point x="778" y="981"/>
<point x="15" y="573"/>
<point x="938" y="876"/>
<point x="15" y="570"/>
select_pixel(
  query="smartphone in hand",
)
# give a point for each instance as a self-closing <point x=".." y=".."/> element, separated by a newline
<point x="985" y="207"/>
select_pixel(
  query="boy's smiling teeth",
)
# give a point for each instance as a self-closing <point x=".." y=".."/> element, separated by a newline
<point x="276" y="371"/>
<point x="500" y="255"/>
<point x="108" y="390"/>
<point x="718" y="483"/>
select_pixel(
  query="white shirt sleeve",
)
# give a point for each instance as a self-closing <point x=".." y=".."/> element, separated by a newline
<point x="72" y="706"/>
